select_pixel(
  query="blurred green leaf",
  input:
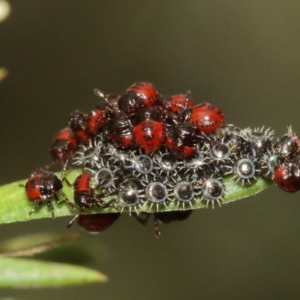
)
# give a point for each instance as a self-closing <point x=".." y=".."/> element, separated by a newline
<point x="15" y="206"/>
<point x="26" y="241"/>
<point x="28" y="273"/>
<point x="32" y="244"/>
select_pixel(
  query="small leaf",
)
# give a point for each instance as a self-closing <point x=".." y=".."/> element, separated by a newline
<point x="28" y="273"/>
<point x="30" y="245"/>
<point x="26" y="240"/>
<point x="15" y="205"/>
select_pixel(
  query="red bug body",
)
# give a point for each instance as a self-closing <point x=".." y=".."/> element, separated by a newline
<point x="95" y="223"/>
<point x="96" y="119"/>
<point x="78" y="123"/>
<point x="149" y="130"/>
<point x="287" y="176"/>
<point x="205" y="117"/>
<point x="288" y="146"/>
<point x="163" y="217"/>
<point x="137" y="96"/>
<point x="182" y="151"/>
<point x="119" y="131"/>
<point x="85" y="198"/>
<point x="84" y="195"/>
<point x="182" y="140"/>
<point x="170" y="216"/>
<point x="64" y="145"/>
<point x="178" y="103"/>
<point x="41" y="187"/>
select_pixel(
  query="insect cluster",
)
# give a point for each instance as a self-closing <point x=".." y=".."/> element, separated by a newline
<point x="146" y="151"/>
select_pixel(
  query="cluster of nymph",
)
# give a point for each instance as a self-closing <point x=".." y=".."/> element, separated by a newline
<point x="146" y="152"/>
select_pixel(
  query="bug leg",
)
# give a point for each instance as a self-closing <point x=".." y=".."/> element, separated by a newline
<point x="156" y="227"/>
<point x="71" y="222"/>
<point x="36" y="207"/>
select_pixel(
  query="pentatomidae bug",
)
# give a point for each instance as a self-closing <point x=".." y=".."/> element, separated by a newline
<point x="160" y="155"/>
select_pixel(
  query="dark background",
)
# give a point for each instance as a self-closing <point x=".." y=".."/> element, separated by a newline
<point x="240" y="55"/>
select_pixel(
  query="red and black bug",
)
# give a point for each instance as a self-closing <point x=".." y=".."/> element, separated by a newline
<point x="205" y="117"/>
<point x="288" y="146"/>
<point x="63" y="145"/>
<point x="78" y="124"/>
<point x="106" y="109"/>
<point x="41" y="187"/>
<point x="178" y="103"/>
<point x="149" y="130"/>
<point x="119" y="131"/>
<point x="182" y="140"/>
<point x="137" y="96"/>
<point x="162" y="217"/>
<point x="95" y="223"/>
<point x="84" y="194"/>
<point x="287" y="176"/>
<point x="87" y="126"/>
<point x="96" y="119"/>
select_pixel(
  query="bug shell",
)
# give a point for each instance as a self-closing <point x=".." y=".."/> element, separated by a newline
<point x="63" y="145"/>
<point x="171" y="216"/>
<point x="95" y="223"/>
<point x="184" y="191"/>
<point x="137" y="96"/>
<point x="246" y="170"/>
<point x="182" y="140"/>
<point x="130" y="192"/>
<point x="119" y="131"/>
<point x="96" y="119"/>
<point x="84" y="193"/>
<point x="287" y="176"/>
<point x="288" y="145"/>
<point x="156" y="192"/>
<point x="205" y="117"/>
<point x="149" y="130"/>
<point x="42" y="185"/>
<point x="178" y="103"/>
<point x="260" y="138"/>
<point x="77" y="123"/>
<point x="213" y="190"/>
